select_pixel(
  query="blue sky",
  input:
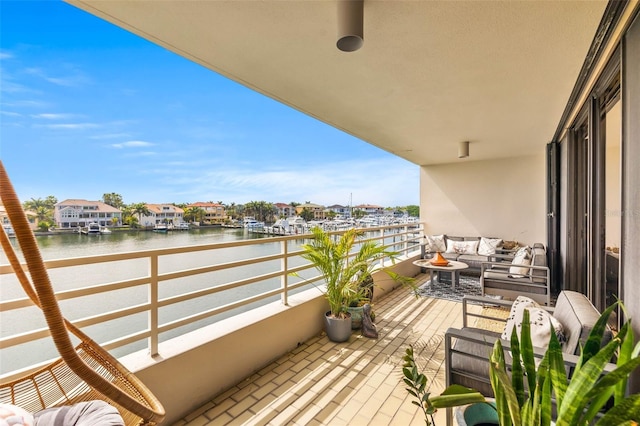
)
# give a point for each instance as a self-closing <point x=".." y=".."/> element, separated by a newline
<point x="88" y="108"/>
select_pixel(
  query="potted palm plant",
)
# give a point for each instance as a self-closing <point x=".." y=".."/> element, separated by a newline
<point x="343" y="273"/>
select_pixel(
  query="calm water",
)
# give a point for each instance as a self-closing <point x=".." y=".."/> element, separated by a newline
<point x="77" y="245"/>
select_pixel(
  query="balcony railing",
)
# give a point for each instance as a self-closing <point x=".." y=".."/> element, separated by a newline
<point x="133" y="301"/>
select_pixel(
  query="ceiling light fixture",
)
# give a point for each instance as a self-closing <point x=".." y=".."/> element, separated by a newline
<point x="463" y="149"/>
<point x="350" y="25"/>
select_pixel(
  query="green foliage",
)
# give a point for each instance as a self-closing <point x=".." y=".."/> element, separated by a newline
<point x="342" y="271"/>
<point x="578" y="401"/>
<point x="453" y="396"/>
<point x="113" y="199"/>
<point x="358" y="214"/>
<point x="43" y="210"/>
<point x="44" y="225"/>
<point x="261" y="210"/>
<point x="413" y="210"/>
<point x="306" y="214"/>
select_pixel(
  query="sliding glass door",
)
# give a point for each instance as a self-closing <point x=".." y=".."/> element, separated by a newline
<point x="594" y="207"/>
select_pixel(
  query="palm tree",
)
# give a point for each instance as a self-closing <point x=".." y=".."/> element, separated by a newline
<point x="128" y="217"/>
<point x="358" y="214"/>
<point x="43" y="209"/>
<point x="342" y="272"/>
<point x="306" y="214"/>
<point x="231" y="210"/>
<point x="140" y="209"/>
<point x="194" y="214"/>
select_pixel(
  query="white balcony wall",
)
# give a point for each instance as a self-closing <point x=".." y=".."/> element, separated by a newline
<point x="502" y="198"/>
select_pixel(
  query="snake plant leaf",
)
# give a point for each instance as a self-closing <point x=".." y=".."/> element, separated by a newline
<point x="517" y="373"/>
<point x="594" y="341"/>
<point x="626" y="412"/>
<point x="613" y="377"/>
<point x="624" y="354"/>
<point x="527" y="350"/>
<point x="527" y="414"/>
<point x="496" y="362"/>
<point x="597" y="403"/>
<point x="604" y="388"/>
<point x="510" y="396"/>
<point x="543" y="381"/>
<point x="557" y="370"/>
<point x="545" y="402"/>
<point x="575" y="399"/>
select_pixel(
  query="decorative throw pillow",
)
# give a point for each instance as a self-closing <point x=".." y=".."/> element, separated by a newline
<point x="13" y="415"/>
<point x="462" y="247"/>
<point x="488" y="246"/>
<point x="522" y="257"/>
<point x="539" y="319"/>
<point x="517" y="306"/>
<point x="509" y="245"/>
<point x="436" y="243"/>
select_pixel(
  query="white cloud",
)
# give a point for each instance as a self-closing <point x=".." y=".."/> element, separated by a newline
<point x="131" y="144"/>
<point x="111" y="136"/>
<point x="53" y="116"/>
<point x="72" y="126"/>
<point x="73" y="79"/>
<point x="11" y="114"/>
<point x="386" y="182"/>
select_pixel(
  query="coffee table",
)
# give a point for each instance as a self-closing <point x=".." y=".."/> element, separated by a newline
<point x="454" y="267"/>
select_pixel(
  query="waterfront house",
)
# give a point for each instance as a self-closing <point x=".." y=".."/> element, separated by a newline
<point x="284" y="210"/>
<point x="520" y="116"/>
<point x="73" y="213"/>
<point x="370" y="209"/>
<point x="31" y="217"/>
<point x="212" y="212"/>
<point x="316" y="209"/>
<point x="162" y="213"/>
<point x="343" y="212"/>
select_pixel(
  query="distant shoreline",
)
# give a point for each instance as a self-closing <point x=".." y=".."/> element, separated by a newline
<point x="114" y="229"/>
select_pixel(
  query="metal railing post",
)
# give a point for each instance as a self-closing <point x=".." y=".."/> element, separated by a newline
<point x="284" y="279"/>
<point x="153" y="305"/>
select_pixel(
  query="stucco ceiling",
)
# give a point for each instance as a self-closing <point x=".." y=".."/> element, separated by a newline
<point x="430" y="74"/>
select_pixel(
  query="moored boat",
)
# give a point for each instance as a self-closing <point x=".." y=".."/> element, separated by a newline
<point x="91" y="229"/>
<point x="160" y="227"/>
<point x="250" y="222"/>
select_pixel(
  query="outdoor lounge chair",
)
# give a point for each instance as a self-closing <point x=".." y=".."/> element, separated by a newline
<point x="85" y="372"/>
<point x="467" y="350"/>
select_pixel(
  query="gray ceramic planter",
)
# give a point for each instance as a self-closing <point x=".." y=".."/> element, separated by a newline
<point x="338" y="329"/>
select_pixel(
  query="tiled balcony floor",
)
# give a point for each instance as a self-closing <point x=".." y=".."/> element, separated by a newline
<point x="358" y="382"/>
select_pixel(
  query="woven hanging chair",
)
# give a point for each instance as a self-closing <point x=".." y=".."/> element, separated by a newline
<point x="84" y="372"/>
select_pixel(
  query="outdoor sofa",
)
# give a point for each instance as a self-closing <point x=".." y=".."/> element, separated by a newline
<point x="471" y="250"/>
<point x="504" y="272"/>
